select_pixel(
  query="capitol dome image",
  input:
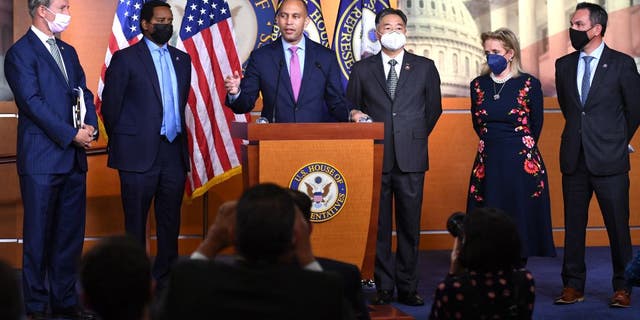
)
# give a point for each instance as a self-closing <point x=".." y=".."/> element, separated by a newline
<point x="445" y="32"/>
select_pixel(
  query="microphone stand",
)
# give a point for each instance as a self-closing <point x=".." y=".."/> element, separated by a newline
<point x="275" y="102"/>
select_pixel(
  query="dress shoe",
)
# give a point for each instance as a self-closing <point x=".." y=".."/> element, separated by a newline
<point x="620" y="299"/>
<point x="383" y="297"/>
<point x="569" y="296"/>
<point x="37" y="316"/>
<point x="73" y="313"/>
<point x="410" y="299"/>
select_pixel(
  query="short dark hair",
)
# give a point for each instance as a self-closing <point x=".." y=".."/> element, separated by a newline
<point x="491" y="241"/>
<point x="146" y="13"/>
<point x="303" y="202"/>
<point x="388" y="11"/>
<point x="116" y="278"/>
<point x="264" y="226"/>
<point x="35" y="4"/>
<point x="304" y="4"/>
<point x="10" y="299"/>
<point x="597" y="14"/>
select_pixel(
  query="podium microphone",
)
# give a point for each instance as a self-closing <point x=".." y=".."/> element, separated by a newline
<point x="275" y="102"/>
<point x="331" y="88"/>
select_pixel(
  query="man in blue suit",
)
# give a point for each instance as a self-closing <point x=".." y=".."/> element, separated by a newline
<point x="43" y="72"/>
<point x="144" y="98"/>
<point x="298" y="78"/>
<point x="599" y="95"/>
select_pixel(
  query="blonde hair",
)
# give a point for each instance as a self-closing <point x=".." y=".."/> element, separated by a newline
<point x="509" y="42"/>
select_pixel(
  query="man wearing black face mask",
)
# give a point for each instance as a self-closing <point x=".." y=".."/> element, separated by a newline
<point x="144" y="98"/>
<point x="599" y="94"/>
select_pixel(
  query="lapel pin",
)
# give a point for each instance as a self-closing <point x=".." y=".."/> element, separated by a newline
<point x="604" y="65"/>
<point x="407" y="67"/>
<point x="61" y="48"/>
<point x="177" y="58"/>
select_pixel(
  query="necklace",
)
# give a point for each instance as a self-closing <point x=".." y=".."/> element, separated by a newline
<point x="503" y="81"/>
<point x="496" y="95"/>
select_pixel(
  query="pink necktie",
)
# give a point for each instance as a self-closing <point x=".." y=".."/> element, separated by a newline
<point x="294" y="72"/>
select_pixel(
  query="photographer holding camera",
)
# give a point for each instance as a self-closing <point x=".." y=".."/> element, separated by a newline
<point x="484" y="280"/>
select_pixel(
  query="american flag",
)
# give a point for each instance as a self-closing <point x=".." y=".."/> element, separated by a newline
<point x="125" y="31"/>
<point x="206" y="34"/>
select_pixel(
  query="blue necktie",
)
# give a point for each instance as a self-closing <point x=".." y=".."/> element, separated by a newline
<point x="169" y="115"/>
<point x="586" y="79"/>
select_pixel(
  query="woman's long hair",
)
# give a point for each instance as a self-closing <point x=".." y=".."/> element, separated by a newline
<point x="510" y="42"/>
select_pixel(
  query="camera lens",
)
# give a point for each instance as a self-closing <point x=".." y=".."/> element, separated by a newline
<point x="455" y="224"/>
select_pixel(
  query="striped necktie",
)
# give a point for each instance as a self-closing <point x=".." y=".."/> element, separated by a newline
<point x="55" y="52"/>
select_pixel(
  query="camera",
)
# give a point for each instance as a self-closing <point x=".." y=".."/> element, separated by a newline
<point x="455" y="224"/>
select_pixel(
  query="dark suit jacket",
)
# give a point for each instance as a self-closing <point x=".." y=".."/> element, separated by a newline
<point x="351" y="280"/>
<point x="132" y="106"/>
<point x="45" y="100"/>
<point x="201" y="289"/>
<point x="410" y="118"/>
<point x="609" y="118"/>
<point x="321" y="97"/>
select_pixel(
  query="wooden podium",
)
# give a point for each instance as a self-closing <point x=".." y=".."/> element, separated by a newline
<point x="338" y="165"/>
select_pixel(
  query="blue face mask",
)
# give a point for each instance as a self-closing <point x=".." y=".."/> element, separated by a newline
<point x="497" y="63"/>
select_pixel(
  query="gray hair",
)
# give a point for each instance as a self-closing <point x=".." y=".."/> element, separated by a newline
<point x="35" y="4"/>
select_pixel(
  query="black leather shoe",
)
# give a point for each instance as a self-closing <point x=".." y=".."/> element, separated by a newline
<point x="73" y="313"/>
<point x="37" y="316"/>
<point x="410" y="299"/>
<point x="383" y="297"/>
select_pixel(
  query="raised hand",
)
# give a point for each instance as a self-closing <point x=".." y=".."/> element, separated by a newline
<point x="232" y="83"/>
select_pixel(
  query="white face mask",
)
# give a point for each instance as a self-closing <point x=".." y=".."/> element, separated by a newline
<point x="393" y="40"/>
<point x="60" y="23"/>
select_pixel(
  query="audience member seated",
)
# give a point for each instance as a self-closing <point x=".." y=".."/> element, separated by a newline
<point x="632" y="272"/>
<point x="270" y="236"/>
<point x="349" y="273"/>
<point x="10" y="298"/>
<point x="483" y="280"/>
<point x="116" y="279"/>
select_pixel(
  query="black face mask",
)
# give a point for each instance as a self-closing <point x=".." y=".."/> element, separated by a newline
<point x="579" y="39"/>
<point x="161" y="33"/>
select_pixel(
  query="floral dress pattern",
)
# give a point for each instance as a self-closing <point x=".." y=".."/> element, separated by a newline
<point x="483" y="295"/>
<point x="508" y="171"/>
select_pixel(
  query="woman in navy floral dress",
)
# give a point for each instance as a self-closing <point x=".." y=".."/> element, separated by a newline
<point x="508" y="172"/>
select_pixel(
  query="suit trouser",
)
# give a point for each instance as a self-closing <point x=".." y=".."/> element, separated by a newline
<point x="164" y="183"/>
<point x="612" y="193"/>
<point x="53" y="232"/>
<point x="406" y="189"/>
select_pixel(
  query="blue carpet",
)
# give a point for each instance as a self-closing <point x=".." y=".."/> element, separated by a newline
<point x="433" y="266"/>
